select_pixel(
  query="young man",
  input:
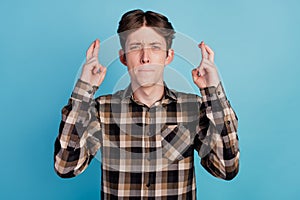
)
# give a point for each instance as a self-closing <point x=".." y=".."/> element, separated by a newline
<point x="147" y="132"/>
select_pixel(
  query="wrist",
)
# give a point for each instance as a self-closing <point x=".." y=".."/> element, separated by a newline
<point x="83" y="90"/>
<point x="213" y="92"/>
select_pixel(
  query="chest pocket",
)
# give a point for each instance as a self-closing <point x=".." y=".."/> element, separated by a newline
<point x="176" y="142"/>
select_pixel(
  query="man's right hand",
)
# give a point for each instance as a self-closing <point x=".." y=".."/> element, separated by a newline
<point x="93" y="72"/>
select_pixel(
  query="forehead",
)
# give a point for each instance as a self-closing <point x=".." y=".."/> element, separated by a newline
<point x="145" y="35"/>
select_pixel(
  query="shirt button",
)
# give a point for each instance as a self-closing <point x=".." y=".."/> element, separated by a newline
<point x="219" y="92"/>
<point x="228" y="122"/>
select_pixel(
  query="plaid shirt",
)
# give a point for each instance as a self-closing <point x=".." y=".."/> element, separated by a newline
<point x="148" y="152"/>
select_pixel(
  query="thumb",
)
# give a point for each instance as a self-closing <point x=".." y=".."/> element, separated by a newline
<point x="195" y="74"/>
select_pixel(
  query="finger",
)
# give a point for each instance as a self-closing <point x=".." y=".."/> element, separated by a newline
<point x="97" y="69"/>
<point x="208" y="64"/>
<point x="204" y="65"/>
<point x="96" y="49"/>
<point x="89" y="52"/>
<point x="102" y="75"/>
<point x="203" y="50"/>
<point x="211" y="54"/>
<point x="195" y="74"/>
<point x="92" y="60"/>
<point x="90" y="65"/>
<point x="201" y="71"/>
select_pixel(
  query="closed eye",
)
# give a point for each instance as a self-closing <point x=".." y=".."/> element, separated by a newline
<point x="135" y="47"/>
<point x="156" y="47"/>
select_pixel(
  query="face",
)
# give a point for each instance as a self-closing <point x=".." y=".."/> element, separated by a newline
<point x="145" y="57"/>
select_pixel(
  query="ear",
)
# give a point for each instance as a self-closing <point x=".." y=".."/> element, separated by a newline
<point x="169" y="57"/>
<point x="122" y="57"/>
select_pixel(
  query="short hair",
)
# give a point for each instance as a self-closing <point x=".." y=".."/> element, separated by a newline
<point x="134" y="19"/>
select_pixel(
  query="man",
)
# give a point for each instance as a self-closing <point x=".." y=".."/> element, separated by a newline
<point x="147" y="132"/>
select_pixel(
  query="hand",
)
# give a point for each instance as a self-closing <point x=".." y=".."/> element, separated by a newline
<point x="206" y="74"/>
<point x="93" y="72"/>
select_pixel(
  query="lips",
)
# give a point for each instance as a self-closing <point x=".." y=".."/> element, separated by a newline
<point x="146" y="70"/>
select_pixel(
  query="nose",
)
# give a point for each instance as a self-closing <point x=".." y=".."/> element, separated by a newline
<point x="145" y="56"/>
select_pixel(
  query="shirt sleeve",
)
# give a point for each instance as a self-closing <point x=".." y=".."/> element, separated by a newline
<point x="79" y="133"/>
<point x="217" y="139"/>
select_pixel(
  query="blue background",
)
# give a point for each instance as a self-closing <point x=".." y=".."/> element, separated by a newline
<point x="43" y="43"/>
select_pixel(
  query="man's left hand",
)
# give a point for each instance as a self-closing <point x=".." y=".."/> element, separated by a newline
<point x="206" y="75"/>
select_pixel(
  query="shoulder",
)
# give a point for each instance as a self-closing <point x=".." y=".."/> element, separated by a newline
<point x="184" y="96"/>
<point x="111" y="98"/>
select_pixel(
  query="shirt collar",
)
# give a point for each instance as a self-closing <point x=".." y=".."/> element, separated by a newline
<point x="168" y="93"/>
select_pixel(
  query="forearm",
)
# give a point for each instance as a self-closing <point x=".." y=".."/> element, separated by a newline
<point x="222" y="158"/>
<point x="71" y="156"/>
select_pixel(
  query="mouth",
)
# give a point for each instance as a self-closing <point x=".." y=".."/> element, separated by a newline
<point x="145" y="70"/>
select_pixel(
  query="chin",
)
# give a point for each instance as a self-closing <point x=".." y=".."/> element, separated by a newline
<point x="146" y="81"/>
<point x="147" y="84"/>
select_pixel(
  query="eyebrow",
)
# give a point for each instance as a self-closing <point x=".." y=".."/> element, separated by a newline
<point x="152" y="43"/>
<point x="139" y="43"/>
<point x="135" y="43"/>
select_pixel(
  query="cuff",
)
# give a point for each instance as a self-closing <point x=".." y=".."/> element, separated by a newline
<point x="83" y="91"/>
<point x="213" y="93"/>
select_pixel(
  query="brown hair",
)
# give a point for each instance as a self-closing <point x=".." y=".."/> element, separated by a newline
<point x="135" y="19"/>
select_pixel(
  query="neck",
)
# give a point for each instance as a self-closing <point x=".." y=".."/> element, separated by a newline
<point x="148" y="95"/>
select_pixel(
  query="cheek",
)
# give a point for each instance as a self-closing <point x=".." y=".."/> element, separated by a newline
<point x="132" y="59"/>
<point x="160" y="58"/>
